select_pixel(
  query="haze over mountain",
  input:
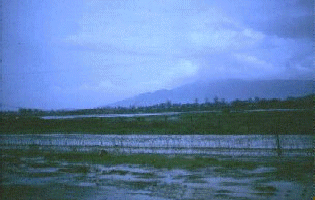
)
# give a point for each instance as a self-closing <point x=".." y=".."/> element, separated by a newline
<point x="227" y="89"/>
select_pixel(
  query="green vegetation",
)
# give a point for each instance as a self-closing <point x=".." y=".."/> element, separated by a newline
<point x="154" y="160"/>
<point x="238" y="117"/>
<point x="80" y="162"/>
<point x="271" y="122"/>
<point x="305" y="102"/>
<point x="265" y="190"/>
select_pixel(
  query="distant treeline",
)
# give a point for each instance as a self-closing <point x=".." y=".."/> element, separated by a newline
<point x="227" y="118"/>
<point x="305" y="102"/>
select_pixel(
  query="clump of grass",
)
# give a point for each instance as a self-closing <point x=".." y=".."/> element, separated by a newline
<point x="294" y="171"/>
<point x="223" y="191"/>
<point x="119" y="172"/>
<point x="79" y="157"/>
<point x="265" y="190"/>
<point x="145" y="175"/>
<point x="142" y="184"/>
<point x="194" y="176"/>
<point x="44" y="174"/>
<point x="42" y="165"/>
<point x="239" y="165"/>
<point x="268" y="188"/>
<point x="194" y="179"/>
<point x="222" y="196"/>
<point x="233" y="184"/>
<point x="76" y="169"/>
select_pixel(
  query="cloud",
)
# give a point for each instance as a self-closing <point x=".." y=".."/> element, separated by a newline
<point x="71" y="52"/>
<point x="160" y="28"/>
<point x="103" y="85"/>
<point x="289" y="27"/>
<point x="285" y="19"/>
<point x="249" y="59"/>
<point x="151" y="45"/>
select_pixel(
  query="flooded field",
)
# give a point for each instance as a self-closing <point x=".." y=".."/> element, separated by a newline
<point x="157" y="114"/>
<point x="232" y="145"/>
<point x="58" y="166"/>
<point x="112" y="115"/>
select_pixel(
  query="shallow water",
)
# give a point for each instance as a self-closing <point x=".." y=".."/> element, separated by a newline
<point x="233" y="145"/>
<point x="112" y="115"/>
<point x="32" y="178"/>
<point x="35" y="177"/>
<point x="157" y="114"/>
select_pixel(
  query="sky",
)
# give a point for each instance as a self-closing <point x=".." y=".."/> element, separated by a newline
<point x="63" y="54"/>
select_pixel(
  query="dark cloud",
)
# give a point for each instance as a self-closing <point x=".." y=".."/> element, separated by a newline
<point x="285" y="19"/>
<point x="61" y="53"/>
<point x="288" y="27"/>
<point x="307" y="5"/>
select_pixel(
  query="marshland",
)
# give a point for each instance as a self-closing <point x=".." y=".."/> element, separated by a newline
<point x="219" y="154"/>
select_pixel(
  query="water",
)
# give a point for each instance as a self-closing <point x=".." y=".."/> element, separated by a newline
<point x="236" y="145"/>
<point x="112" y="115"/>
<point x="29" y="181"/>
<point x="36" y="177"/>
<point x="158" y="114"/>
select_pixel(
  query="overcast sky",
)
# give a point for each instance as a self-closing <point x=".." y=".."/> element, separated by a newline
<point x="89" y="53"/>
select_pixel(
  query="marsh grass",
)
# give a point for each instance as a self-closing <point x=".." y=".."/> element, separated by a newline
<point x="153" y="160"/>
<point x="50" y="191"/>
<point x="239" y="165"/>
<point x="76" y="169"/>
<point x="270" y="189"/>
<point x="223" y="191"/>
<point x="140" y="185"/>
<point x="265" y="190"/>
<point x="43" y="165"/>
<point x="294" y="171"/>
<point x="290" y="122"/>
<point x="145" y="175"/>
<point x="117" y="172"/>
<point x="43" y="174"/>
<point x="81" y="162"/>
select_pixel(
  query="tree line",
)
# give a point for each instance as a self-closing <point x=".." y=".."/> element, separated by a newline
<point x="304" y="102"/>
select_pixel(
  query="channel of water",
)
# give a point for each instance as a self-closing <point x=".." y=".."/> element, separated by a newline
<point x="235" y="145"/>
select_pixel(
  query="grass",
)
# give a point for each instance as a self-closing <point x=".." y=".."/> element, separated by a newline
<point x="80" y="162"/>
<point x="294" y="171"/>
<point x="145" y="175"/>
<point x="154" y="160"/>
<point x="291" y="122"/>
<point x="285" y="168"/>
<point x="76" y="169"/>
<point x="117" y="172"/>
<point x="140" y="185"/>
<point x="265" y="190"/>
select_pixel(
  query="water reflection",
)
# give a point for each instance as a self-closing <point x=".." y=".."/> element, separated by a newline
<point x="44" y="179"/>
<point x="236" y="145"/>
<point x="31" y="168"/>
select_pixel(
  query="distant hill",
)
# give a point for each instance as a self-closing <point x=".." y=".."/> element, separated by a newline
<point x="227" y="89"/>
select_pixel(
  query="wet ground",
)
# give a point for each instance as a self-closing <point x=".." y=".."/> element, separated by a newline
<point x="36" y="177"/>
<point x="233" y="145"/>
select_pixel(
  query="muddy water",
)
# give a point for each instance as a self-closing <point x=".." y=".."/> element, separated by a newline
<point x="35" y="177"/>
<point x="28" y="177"/>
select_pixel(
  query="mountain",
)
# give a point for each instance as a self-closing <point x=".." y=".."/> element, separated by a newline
<point x="227" y="89"/>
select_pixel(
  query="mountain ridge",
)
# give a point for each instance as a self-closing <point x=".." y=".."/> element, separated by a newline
<point x="228" y="89"/>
